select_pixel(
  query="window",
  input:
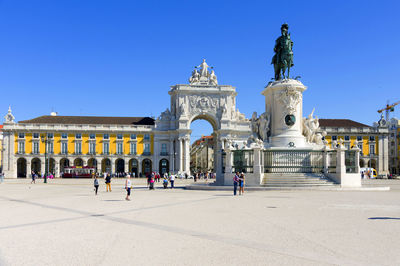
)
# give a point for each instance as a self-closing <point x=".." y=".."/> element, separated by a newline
<point x="35" y="148"/>
<point x="372" y="149"/>
<point x="147" y="148"/>
<point x="92" y="147"/>
<point x="146" y="137"/>
<point x="78" y="136"/>
<point x="133" y="136"/>
<point x="347" y="138"/>
<point x="106" y="136"/>
<point x="371" y="138"/>
<point x="78" y="147"/>
<point x="359" y="138"/>
<point x="106" y="148"/>
<point x="119" y="136"/>
<point x="35" y="135"/>
<point x="133" y="148"/>
<point x="334" y="137"/>
<point x="92" y="136"/>
<point x="64" y="135"/>
<point x="50" y="148"/>
<point x="164" y="148"/>
<point x="64" y="147"/>
<point x="21" y="135"/>
<point x="21" y="147"/>
<point x="347" y="146"/>
<point x="119" y="148"/>
<point x="360" y="146"/>
<point x="50" y="135"/>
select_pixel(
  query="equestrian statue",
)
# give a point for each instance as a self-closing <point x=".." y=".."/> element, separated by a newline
<point x="283" y="58"/>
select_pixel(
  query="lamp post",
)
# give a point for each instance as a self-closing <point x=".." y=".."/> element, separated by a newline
<point x="46" y="141"/>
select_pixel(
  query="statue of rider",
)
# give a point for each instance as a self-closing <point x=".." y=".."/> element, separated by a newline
<point x="283" y="58"/>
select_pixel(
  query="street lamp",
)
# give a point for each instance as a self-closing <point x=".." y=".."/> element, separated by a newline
<point x="46" y="141"/>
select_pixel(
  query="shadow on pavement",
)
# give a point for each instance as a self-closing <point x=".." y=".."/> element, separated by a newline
<point x="383" y="218"/>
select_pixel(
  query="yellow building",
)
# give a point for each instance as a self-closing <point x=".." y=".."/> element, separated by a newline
<point x="106" y="144"/>
<point x="372" y="141"/>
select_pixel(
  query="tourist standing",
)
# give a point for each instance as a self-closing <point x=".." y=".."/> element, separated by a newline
<point x="235" y="183"/>
<point x="108" y="182"/>
<point x="33" y="175"/>
<point x="96" y="184"/>
<point x="172" y="180"/>
<point x="241" y="183"/>
<point x="128" y="187"/>
<point x="1" y="177"/>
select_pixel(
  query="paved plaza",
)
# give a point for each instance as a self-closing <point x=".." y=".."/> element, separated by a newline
<point x="64" y="223"/>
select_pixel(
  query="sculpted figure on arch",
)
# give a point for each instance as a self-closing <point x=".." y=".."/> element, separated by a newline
<point x="204" y="69"/>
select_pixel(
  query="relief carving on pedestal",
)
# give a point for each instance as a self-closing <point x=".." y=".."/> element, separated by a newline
<point x="290" y="98"/>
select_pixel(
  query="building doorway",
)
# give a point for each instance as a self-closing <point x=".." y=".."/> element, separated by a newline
<point x="133" y="167"/>
<point x="21" y="168"/>
<point x="147" y="167"/>
<point x="164" y="166"/>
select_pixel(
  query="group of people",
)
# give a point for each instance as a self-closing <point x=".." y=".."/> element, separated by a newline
<point x="35" y="175"/>
<point x="238" y="180"/>
<point x="205" y="175"/>
<point x="151" y="178"/>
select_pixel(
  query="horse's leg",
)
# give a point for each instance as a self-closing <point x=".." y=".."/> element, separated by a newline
<point x="288" y="71"/>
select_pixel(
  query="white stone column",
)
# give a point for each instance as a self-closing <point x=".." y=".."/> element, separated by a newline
<point x="187" y="154"/>
<point x="257" y="165"/>
<point x="180" y="169"/>
<point x="113" y="166"/>
<point x="171" y="156"/>
<point x="10" y="171"/>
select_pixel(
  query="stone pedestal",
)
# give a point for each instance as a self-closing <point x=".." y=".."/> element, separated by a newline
<point x="284" y="105"/>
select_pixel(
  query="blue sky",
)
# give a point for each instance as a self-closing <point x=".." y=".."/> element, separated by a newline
<point x="119" y="58"/>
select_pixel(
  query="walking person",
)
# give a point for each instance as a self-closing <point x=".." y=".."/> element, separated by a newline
<point x="241" y="183"/>
<point x="108" y="182"/>
<point x="128" y="187"/>
<point x="172" y="180"/>
<point x="96" y="184"/>
<point x="235" y="183"/>
<point x="33" y="175"/>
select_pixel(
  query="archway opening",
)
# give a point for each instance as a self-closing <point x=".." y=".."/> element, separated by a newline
<point x="164" y="166"/>
<point x="21" y="167"/>
<point x="78" y="162"/>
<point x="202" y="147"/>
<point x="372" y="163"/>
<point x="92" y="162"/>
<point x="133" y="167"/>
<point x="106" y="166"/>
<point x="64" y="162"/>
<point x="120" y="166"/>
<point x="362" y="164"/>
<point x="36" y="166"/>
<point x="52" y="166"/>
<point x="146" y="167"/>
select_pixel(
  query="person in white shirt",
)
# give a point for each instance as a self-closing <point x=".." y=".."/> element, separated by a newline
<point x="172" y="180"/>
<point x="128" y="186"/>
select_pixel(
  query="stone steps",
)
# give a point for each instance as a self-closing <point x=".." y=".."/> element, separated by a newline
<point x="296" y="180"/>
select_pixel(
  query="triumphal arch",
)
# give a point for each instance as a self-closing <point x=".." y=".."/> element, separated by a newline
<point x="202" y="98"/>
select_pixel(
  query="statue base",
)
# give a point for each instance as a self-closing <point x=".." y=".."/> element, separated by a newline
<point x="284" y="103"/>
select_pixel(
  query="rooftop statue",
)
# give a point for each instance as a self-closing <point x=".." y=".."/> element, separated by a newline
<point x="204" y="69"/>
<point x="203" y="76"/>
<point x="283" y="58"/>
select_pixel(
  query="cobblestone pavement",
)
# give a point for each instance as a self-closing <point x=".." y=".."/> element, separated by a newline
<point x="64" y="223"/>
